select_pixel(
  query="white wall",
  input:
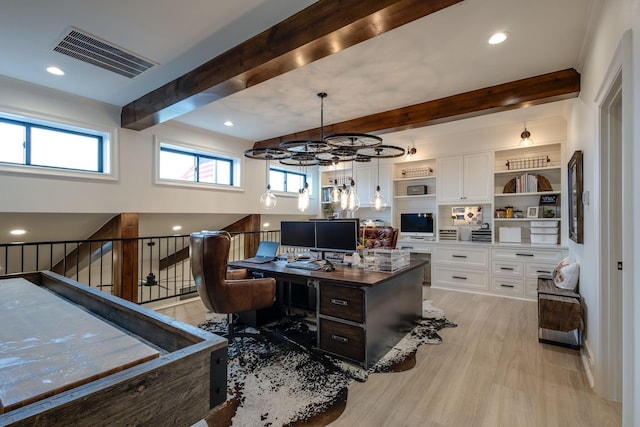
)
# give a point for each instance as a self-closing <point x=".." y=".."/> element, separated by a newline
<point x="134" y="190"/>
<point x="610" y="23"/>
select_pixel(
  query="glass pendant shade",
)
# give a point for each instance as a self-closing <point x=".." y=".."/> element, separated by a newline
<point x="268" y="199"/>
<point x="525" y="138"/>
<point x="378" y="203"/>
<point x="344" y="197"/>
<point x="353" y="201"/>
<point x="303" y="198"/>
<point x="335" y="192"/>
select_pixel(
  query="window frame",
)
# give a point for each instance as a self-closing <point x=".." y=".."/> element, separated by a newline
<point x="106" y="140"/>
<point x="287" y="172"/>
<point x="163" y="144"/>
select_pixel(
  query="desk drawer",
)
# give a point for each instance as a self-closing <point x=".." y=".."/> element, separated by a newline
<point x="343" y="302"/>
<point x="460" y="278"/>
<point x="507" y="268"/>
<point x="529" y="255"/>
<point x="462" y="256"/>
<point x="538" y="269"/>
<point x="508" y="286"/>
<point x="342" y="339"/>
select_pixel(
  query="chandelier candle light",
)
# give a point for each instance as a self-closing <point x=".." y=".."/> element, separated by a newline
<point x="327" y="151"/>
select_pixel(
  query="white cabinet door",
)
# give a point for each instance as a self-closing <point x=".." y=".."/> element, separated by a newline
<point x="477" y="178"/>
<point x="464" y="179"/>
<point x="449" y="184"/>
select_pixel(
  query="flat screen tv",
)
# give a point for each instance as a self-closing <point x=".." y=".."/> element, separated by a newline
<point x="337" y="235"/>
<point x="417" y="224"/>
<point x="298" y="233"/>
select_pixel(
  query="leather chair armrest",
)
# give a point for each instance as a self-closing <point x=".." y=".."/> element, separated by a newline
<point x="238" y="273"/>
<point x="250" y="294"/>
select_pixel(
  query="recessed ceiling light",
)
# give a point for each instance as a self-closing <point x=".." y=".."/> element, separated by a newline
<point x="498" y="38"/>
<point x="228" y="123"/>
<point x="17" y="232"/>
<point x="177" y="227"/>
<point x="55" y="71"/>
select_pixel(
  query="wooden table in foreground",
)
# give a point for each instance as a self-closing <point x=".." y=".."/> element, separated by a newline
<point x="361" y="314"/>
<point x="71" y="355"/>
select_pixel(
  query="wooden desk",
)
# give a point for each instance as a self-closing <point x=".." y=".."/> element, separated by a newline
<point x="72" y="355"/>
<point x="361" y="314"/>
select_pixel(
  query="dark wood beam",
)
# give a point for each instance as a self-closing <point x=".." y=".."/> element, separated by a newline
<point x="320" y="30"/>
<point x="536" y="90"/>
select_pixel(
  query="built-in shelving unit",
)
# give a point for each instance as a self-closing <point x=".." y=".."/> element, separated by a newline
<point x="421" y="177"/>
<point x="543" y="162"/>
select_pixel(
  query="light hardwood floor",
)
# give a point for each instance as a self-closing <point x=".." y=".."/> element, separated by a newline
<point x="489" y="371"/>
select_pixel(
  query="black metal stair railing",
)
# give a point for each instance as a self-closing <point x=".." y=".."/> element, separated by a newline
<point x="161" y="263"/>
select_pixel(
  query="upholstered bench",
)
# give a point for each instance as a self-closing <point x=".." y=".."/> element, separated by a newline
<point x="559" y="315"/>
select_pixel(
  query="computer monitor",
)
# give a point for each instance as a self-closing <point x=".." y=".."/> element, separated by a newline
<point x="298" y="233"/>
<point x="417" y="224"/>
<point x="337" y="235"/>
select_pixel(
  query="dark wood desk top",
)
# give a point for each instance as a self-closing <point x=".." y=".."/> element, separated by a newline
<point x="342" y="274"/>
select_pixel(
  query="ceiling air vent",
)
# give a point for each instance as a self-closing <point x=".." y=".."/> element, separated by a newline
<point x="88" y="48"/>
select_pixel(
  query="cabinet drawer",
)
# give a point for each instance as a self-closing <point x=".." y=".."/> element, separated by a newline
<point x="460" y="278"/>
<point x="342" y="301"/>
<point x="507" y="268"/>
<point x="508" y="286"/>
<point x="463" y="256"/>
<point x="342" y="339"/>
<point x="528" y="255"/>
<point x="535" y="269"/>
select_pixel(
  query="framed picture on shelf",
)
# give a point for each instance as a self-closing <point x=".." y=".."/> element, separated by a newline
<point x="575" y="197"/>
<point x="532" y="212"/>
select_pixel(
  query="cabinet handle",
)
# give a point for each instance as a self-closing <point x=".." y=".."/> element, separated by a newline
<point x="543" y="271"/>
<point x="459" y="256"/>
<point x="339" y="302"/>
<point x="506" y="286"/>
<point x="517" y="254"/>
<point x="459" y="277"/>
<point x="338" y="338"/>
<point x="506" y="268"/>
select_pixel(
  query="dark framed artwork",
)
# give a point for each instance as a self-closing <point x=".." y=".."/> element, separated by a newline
<point x="576" y="221"/>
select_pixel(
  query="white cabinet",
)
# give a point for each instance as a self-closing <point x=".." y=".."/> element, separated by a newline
<point x="461" y="267"/>
<point x="366" y="179"/>
<point x="464" y="179"/>
<point x="515" y="270"/>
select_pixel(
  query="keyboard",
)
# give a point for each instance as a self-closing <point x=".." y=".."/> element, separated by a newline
<point x="305" y="265"/>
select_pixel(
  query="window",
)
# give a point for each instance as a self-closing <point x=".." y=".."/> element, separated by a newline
<point x="286" y="181"/>
<point x="34" y="144"/>
<point x="183" y="164"/>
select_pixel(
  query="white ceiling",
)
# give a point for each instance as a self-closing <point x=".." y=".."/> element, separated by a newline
<point x="442" y="54"/>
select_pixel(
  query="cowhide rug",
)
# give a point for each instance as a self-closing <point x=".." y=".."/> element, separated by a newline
<point x="280" y="379"/>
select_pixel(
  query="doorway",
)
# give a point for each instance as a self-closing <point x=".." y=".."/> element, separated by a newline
<point x="611" y="240"/>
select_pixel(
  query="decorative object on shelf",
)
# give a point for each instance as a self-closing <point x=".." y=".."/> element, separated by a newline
<point x="575" y="197"/>
<point x="532" y="212"/>
<point x="528" y="163"/>
<point x="508" y="211"/>
<point x="326" y="151"/>
<point x="527" y="183"/>
<point x="501" y="213"/>
<point x="525" y="137"/>
<point x="417" y="172"/>
<point x="517" y="213"/>
<point x="466" y="215"/>
<point x="549" y="204"/>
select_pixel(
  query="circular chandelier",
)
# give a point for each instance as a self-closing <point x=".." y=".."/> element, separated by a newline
<point x="327" y="151"/>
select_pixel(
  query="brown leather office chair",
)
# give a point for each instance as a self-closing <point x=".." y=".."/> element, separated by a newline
<point x="379" y="237"/>
<point x="221" y="290"/>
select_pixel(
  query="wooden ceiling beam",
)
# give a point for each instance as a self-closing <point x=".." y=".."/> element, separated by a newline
<point x="320" y="30"/>
<point x="555" y="86"/>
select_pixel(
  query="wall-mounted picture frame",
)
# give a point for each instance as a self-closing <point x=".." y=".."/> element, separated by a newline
<point x="532" y="212"/>
<point x="576" y="220"/>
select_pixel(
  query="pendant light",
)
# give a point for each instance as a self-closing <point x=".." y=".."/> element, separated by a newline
<point x="268" y="200"/>
<point x="378" y="202"/>
<point x="353" y="201"/>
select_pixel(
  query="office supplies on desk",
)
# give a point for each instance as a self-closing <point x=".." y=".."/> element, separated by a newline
<point x="305" y="265"/>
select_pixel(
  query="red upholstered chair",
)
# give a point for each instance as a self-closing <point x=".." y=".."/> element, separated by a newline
<point x="378" y="237"/>
<point x="221" y="290"/>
